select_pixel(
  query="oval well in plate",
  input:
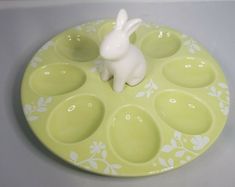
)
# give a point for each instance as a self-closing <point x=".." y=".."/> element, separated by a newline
<point x="76" y="46"/>
<point x="189" y="72"/>
<point x="57" y="79"/>
<point x="160" y="44"/>
<point x="183" y="112"/>
<point x="134" y="135"/>
<point x="76" y="119"/>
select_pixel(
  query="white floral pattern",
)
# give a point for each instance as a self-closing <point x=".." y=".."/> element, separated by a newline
<point x="166" y="163"/>
<point x="150" y="88"/>
<point x="98" y="154"/>
<point x="98" y="65"/>
<point x="220" y="92"/>
<point x="35" y="61"/>
<point x="149" y="25"/>
<point x="47" y="45"/>
<point x="190" y="44"/>
<point x="179" y="147"/>
<point x="90" y="27"/>
<point x="31" y="110"/>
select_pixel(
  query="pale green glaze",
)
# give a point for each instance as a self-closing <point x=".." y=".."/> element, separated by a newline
<point x="183" y="113"/>
<point x="133" y="127"/>
<point x="169" y="119"/>
<point x="76" y="119"/>
<point x="48" y="79"/>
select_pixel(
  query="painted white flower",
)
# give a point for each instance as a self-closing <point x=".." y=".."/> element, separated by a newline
<point x="199" y="142"/>
<point x="192" y="46"/>
<point x="177" y="134"/>
<point x="35" y="61"/>
<point x="97" y="147"/>
<point x="98" y="154"/>
<point x="73" y="156"/>
<point x="220" y="92"/>
<point x="47" y="45"/>
<point x="149" y="87"/>
<point x="98" y="65"/>
<point x="31" y="110"/>
<point x="167" y="164"/>
<point x="112" y="169"/>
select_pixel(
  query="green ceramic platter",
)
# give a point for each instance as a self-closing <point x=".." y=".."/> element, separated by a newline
<point x="169" y="119"/>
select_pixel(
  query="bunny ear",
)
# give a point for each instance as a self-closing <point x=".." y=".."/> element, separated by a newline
<point x="132" y="25"/>
<point x="121" y="20"/>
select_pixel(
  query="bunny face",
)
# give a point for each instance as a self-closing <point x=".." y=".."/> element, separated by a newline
<point x="116" y="44"/>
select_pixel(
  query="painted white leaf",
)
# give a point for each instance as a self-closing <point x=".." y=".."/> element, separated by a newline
<point x="27" y="109"/>
<point x="73" y="156"/>
<point x="187" y="42"/>
<point x="221" y="104"/>
<point x="213" y="89"/>
<point x="149" y="93"/>
<point x="218" y="93"/>
<point x="34" y="64"/>
<point x="140" y="94"/>
<point x="167" y="148"/>
<point x="211" y="94"/>
<point x="177" y="134"/>
<point x="179" y="153"/>
<point x="78" y="27"/>
<point x="104" y="154"/>
<point x="225" y="111"/>
<point x="173" y="143"/>
<point x="32" y="118"/>
<point x="114" y="172"/>
<point x="196" y="46"/>
<point x="148" y="85"/>
<point x="171" y="162"/>
<point x="37" y="59"/>
<point x="205" y="140"/>
<point x="93" y="69"/>
<point x="191" y="51"/>
<point x="222" y="85"/>
<point x="41" y="109"/>
<point x="154" y="86"/>
<point x="47" y="45"/>
<point x="41" y="101"/>
<point x="184" y="36"/>
<point x="163" y="162"/>
<point x="49" y="99"/>
<point x="116" y="166"/>
<point x="93" y="164"/>
<point x="106" y="170"/>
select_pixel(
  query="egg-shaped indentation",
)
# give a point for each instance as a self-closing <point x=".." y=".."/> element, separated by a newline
<point x="160" y="44"/>
<point x="108" y="27"/>
<point x="189" y="72"/>
<point x="183" y="112"/>
<point x="76" y="119"/>
<point x="134" y="135"/>
<point x="57" y="79"/>
<point x="77" y="47"/>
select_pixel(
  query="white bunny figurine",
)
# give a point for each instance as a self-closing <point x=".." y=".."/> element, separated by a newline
<point x="123" y="61"/>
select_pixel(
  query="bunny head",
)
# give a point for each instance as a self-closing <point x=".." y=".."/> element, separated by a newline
<point x="116" y="43"/>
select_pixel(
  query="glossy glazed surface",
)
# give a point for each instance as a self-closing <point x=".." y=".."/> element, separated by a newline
<point x="167" y="120"/>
